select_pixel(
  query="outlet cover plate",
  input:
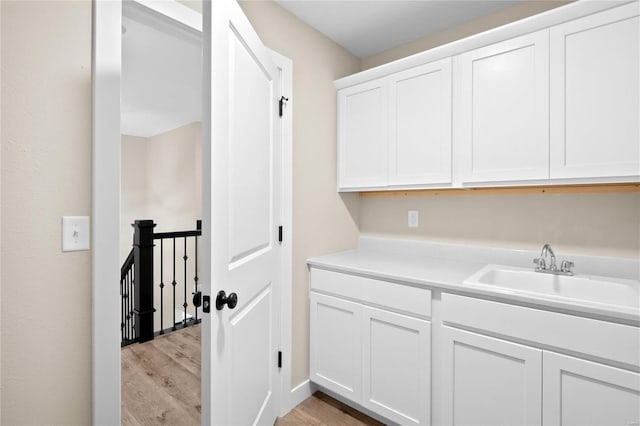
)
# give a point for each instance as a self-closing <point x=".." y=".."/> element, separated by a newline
<point x="75" y="233"/>
<point x="412" y="218"/>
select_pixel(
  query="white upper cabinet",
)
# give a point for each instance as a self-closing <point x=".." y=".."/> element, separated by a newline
<point x="420" y="125"/>
<point x="595" y="95"/>
<point x="362" y="135"/>
<point x="502" y="110"/>
<point x="551" y="99"/>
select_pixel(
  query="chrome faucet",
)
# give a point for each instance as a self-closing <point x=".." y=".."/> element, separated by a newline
<point x="565" y="266"/>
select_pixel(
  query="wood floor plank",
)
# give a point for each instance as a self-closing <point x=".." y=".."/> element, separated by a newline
<point x="161" y="385"/>
<point x="161" y="380"/>
<point x="322" y="410"/>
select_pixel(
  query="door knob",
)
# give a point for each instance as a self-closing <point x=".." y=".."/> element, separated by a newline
<point x="222" y="299"/>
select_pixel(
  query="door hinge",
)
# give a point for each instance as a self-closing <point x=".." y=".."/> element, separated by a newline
<point x="280" y="233"/>
<point x="281" y="104"/>
<point x="279" y="359"/>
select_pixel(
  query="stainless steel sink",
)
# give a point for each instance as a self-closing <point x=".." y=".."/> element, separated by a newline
<point x="591" y="289"/>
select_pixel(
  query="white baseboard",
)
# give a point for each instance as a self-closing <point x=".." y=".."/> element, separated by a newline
<point x="301" y="392"/>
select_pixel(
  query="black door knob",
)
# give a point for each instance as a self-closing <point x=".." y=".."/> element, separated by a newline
<point x="222" y="299"/>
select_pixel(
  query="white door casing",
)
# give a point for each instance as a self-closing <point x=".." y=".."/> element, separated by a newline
<point x="241" y="209"/>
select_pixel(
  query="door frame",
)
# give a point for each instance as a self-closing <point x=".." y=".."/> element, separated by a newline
<point x="105" y="205"/>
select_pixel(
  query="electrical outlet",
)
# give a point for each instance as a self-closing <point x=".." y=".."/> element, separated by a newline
<point x="75" y="233"/>
<point x="412" y="216"/>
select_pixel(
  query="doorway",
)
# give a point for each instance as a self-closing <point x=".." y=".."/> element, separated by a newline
<point x="106" y="205"/>
<point x="160" y="212"/>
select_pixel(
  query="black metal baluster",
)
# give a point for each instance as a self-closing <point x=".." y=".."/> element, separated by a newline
<point x="121" y="311"/>
<point x="161" y="285"/>
<point x="132" y="295"/>
<point x="195" y="278"/>
<point x="128" y="286"/>
<point x="173" y="283"/>
<point x="184" y="305"/>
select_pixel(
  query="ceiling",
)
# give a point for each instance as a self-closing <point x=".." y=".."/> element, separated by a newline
<point x="161" y="78"/>
<point x="368" y="27"/>
<point x="161" y="66"/>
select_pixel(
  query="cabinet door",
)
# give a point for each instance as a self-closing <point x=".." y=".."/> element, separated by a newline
<point x="396" y="365"/>
<point x="490" y="381"/>
<point x="335" y="345"/>
<point x="502" y="107"/>
<point x="362" y="135"/>
<point x="595" y="95"/>
<point x="420" y="125"/>
<point x="579" y="392"/>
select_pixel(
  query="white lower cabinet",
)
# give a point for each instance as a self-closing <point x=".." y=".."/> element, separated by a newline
<point x="376" y="358"/>
<point x="371" y="342"/>
<point x="396" y="364"/>
<point x="584" y="393"/>
<point x="490" y="381"/>
<point x="336" y="348"/>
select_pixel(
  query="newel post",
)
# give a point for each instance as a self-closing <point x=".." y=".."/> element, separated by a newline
<point x="143" y="293"/>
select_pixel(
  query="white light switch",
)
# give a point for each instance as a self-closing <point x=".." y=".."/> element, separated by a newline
<point x="412" y="218"/>
<point x="75" y="233"/>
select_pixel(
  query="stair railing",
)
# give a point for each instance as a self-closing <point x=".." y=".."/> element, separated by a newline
<point x="137" y="282"/>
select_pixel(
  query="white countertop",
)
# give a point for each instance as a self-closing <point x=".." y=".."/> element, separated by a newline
<point x="446" y="267"/>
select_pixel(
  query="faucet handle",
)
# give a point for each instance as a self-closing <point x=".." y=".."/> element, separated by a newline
<point x="539" y="262"/>
<point x="566" y="266"/>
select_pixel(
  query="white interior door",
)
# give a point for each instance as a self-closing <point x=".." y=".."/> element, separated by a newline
<point x="241" y="208"/>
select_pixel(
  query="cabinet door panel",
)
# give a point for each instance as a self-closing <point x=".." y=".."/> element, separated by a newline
<point x="362" y="135"/>
<point x="335" y="351"/>
<point x="396" y="363"/>
<point x="503" y="110"/>
<point x="490" y="381"/>
<point x="584" y="393"/>
<point x="420" y="125"/>
<point x="595" y="101"/>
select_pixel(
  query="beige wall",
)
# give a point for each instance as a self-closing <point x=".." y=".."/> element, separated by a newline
<point x="510" y="14"/>
<point x="323" y="220"/>
<point x="174" y="178"/>
<point x="133" y="188"/>
<point x="590" y="224"/>
<point x="46" y="173"/>
<point x="162" y="180"/>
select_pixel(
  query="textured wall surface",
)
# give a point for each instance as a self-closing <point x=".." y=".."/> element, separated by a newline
<point x="46" y="174"/>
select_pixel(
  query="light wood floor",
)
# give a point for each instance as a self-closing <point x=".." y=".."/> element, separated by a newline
<point x="161" y="380"/>
<point x="161" y="385"/>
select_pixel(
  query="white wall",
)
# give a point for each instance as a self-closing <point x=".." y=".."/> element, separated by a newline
<point x="46" y="174"/>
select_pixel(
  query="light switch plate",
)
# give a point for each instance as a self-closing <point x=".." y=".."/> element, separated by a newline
<point x="412" y="218"/>
<point x="75" y="233"/>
